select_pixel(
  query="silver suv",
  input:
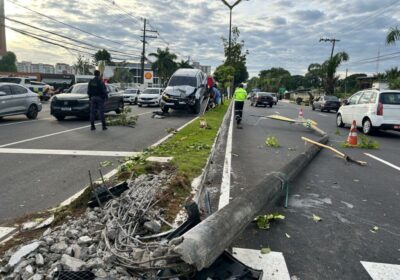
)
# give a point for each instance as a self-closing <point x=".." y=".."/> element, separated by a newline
<point x="16" y="100"/>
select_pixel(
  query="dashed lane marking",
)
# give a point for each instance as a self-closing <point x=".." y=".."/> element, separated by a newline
<point x="68" y="152"/>
<point x="272" y="264"/>
<point x="382" y="271"/>
<point x="383" y="161"/>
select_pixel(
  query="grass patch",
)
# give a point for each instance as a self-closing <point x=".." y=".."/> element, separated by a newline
<point x="272" y="142"/>
<point x="364" y="143"/>
<point x="123" y="119"/>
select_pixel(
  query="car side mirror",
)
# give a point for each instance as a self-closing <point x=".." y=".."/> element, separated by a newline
<point x="2" y="93"/>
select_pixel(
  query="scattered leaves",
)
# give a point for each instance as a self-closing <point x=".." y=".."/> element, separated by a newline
<point x="287" y="235"/>
<point x="171" y="130"/>
<point x="317" y="218"/>
<point x="292" y="149"/>
<point x="123" y="119"/>
<point x="263" y="221"/>
<point x="106" y="163"/>
<point x="374" y="229"/>
<point x="337" y="132"/>
<point x="272" y="142"/>
<point x="265" y="251"/>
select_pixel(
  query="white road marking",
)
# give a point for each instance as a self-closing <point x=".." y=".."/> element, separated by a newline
<point x="6" y="232"/>
<point x="68" y="152"/>
<point x="383" y="161"/>
<point x="226" y="173"/>
<point x="272" y="264"/>
<point x="7" y="124"/>
<point x="382" y="271"/>
<point x="322" y="115"/>
<point x="44" y="136"/>
<point x="172" y="134"/>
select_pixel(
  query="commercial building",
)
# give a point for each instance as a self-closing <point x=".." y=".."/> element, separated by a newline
<point x="135" y="70"/>
<point x="63" y="68"/>
<point x="205" y="68"/>
<point x="29" y="67"/>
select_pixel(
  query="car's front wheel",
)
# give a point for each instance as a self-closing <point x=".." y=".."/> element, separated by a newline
<point x="32" y="112"/>
<point x="197" y="106"/>
<point x="120" y="108"/>
<point x="59" y="117"/>
<point x="339" y="120"/>
<point x="270" y="105"/>
<point x="313" y="108"/>
<point x="367" y="127"/>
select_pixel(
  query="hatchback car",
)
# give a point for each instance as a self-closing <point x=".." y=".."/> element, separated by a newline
<point x="131" y="95"/>
<point x="75" y="102"/>
<point x="16" y="100"/>
<point x="261" y="98"/>
<point x="150" y="97"/>
<point x="326" y="103"/>
<point x="372" y="110"/>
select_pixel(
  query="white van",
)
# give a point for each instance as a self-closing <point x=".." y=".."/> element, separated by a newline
<point x="372" y="109"/>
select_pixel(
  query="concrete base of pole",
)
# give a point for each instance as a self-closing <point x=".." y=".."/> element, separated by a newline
<point x="203" y="244"/>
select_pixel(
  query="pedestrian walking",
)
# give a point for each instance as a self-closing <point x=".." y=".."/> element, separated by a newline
<point x="239" y="96"/>
<point x="97" y="92"/>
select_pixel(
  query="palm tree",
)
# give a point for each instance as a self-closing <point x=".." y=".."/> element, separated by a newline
<point x="165" y="64"/>
<point x="330" y="66"/>
<point x="184" y="64"/>
<point x="393" y="35"/>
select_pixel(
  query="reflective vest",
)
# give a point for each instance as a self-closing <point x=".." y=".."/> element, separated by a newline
<point x="240" y="94"/>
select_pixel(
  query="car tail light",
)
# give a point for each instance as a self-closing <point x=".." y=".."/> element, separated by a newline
<point x="379" y="112"/>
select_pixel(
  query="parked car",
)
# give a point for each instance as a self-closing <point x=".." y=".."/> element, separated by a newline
<point x="131" y="95"/>
<point x="186" y="90"/>
<point x="326" y="103"/>
<point x="261" y="98"/>
<point x="150" y="96"/>
<point x="372" y="110"/>
<point x="75" y="102"/>
<point x="16" y="99"/>
<point x="274" y="97"/>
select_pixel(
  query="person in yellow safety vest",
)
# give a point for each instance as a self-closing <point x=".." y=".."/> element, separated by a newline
<point x="240" y="97"/>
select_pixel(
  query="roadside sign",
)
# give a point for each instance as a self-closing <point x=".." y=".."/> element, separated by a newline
<point x="148" y="77"/>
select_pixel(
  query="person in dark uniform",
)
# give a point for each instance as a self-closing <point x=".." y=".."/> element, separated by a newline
<point x="97" y="95"/>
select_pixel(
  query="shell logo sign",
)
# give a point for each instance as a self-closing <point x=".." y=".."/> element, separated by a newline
<point x="148" y="76"/>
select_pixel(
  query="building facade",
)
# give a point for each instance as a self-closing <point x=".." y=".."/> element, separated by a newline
<point x="63" y="68"/>
<point x="205" y="68"/>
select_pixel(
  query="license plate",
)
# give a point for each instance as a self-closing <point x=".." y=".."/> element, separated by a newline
<point x="397" y="127"/>
<point x="66" y="109"/>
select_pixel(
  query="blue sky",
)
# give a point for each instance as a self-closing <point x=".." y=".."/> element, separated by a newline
<point x="276" y="33"/>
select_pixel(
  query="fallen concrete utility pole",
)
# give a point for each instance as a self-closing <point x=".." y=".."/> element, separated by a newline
<point x="203" y="244"/>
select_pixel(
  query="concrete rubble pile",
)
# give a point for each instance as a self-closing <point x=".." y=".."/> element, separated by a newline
<point x="112" y="242"/>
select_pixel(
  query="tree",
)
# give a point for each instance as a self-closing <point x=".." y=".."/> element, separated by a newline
<point x="8" y="62"/>
<point x="82" y="66"/>
<point x="165" y="64"/>
<point x="330" y="67"/>
<point x="184" y="64"/>
<point x="315" y="76"/>
<point x="122" y="75"/>
<point x="102" y="55"/>
<point x="224" y="75"/>
<point x="393" y="35"/>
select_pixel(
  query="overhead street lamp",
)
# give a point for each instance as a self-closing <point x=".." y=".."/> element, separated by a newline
<point x="230" y="21"/>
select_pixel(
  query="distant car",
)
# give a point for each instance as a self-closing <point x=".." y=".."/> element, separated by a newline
<point x="261" y="98"/>
<point x="186" y="90"/>
<point x="16" y="100"/>
<point x="274" y="97"/>
<point x="75" y="102"/>
<point x="131" y="95"/>
<point x="326" y="103"/>
<point x="150" y="96"/>
<point x="372" y="110"/>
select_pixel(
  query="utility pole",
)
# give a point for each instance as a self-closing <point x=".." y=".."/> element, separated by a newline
<point x="345" y="82"/>
<point x="333" y="41"/>
<point x="3" y="45"/>
<point x="144" y="37"/>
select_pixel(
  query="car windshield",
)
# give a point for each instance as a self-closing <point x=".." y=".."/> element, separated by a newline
<point x="82" y="89"/>
<point x="331" y="98"/>
<point x="132" y="91"/>
<point x="150" y="91"/>
<point x="10" y="80"/>
<point x="390" y="98"/>
<point x="182" y="81"/>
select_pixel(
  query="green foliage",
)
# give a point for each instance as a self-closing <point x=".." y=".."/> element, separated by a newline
<point x="272" y="142"/>
<point x="364" y="143"/>
<point x="264" y="221"/>
<point x="330" y="67"/>
<point x="393" y="35"/>
<point x="102" y="55"/>
<point x="165" y="64"/>
<point x="121" y="75"/>
<point x="184" y="64"/>
<point x="224" y="75"/>
<point x="8" y="62"/>
<point x="82" y="66"/>
<point x="123" y="119"/>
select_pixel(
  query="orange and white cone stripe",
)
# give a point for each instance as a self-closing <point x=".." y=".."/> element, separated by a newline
<point x="352" y="138"/>
<point x="301" y="114"/>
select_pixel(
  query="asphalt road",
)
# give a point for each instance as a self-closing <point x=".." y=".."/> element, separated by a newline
<point x="34" y="182"/>
<point x="350" y="199"/>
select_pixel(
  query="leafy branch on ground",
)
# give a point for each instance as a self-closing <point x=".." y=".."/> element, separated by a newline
<point x="264" y="221"/>
<point x="123" y="119"/>
<point x="364" y="143"/>
<point x="272" y="142"/>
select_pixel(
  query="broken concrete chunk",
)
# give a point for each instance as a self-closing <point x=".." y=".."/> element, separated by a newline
<point x="39" y="260"/>
<point x="153" y="226"/>
<point x="22" y="252"/>
<point x="37" y="277"/>
<point x="84" y="240"/>
<point x="46" y="222"/>
<point x="71" y="263"/>
<point x="59" y="247"/>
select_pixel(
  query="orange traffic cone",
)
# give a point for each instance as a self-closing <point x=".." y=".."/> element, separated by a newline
<point x="352" y="139"/>
<point x="301" y="114"/>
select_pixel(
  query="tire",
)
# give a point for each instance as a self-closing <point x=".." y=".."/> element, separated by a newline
<point x="196" y="108"/>
<point x="313" y="108"/>
<point x="120" y="108"/>
<point x="59" y="117"/>
<point x="339" y="121"/>
<point x="270" y="105"/>
<point x="251" y="104"/>
<point x="140" y="105"/>
<point x="367" y="127"/>
<point x="32" y="112"/>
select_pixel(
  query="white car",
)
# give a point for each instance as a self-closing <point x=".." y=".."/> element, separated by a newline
<point x="150" y="96"/>
<point x="274" y="97"/>
<point x="372" y="110"/>
<point x="131" y="95"/>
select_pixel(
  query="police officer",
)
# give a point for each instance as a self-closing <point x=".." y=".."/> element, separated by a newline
<point x="97" y="95"/>
<point x="240" y="96"/>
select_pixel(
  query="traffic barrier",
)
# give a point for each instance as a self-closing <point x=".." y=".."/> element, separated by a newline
<point x="352" y="138"/>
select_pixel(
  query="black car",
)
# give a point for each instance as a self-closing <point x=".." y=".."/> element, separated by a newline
<point x="261" y="98"/>
<point x="326" y="103"/>
<point x="75" y="102"/>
